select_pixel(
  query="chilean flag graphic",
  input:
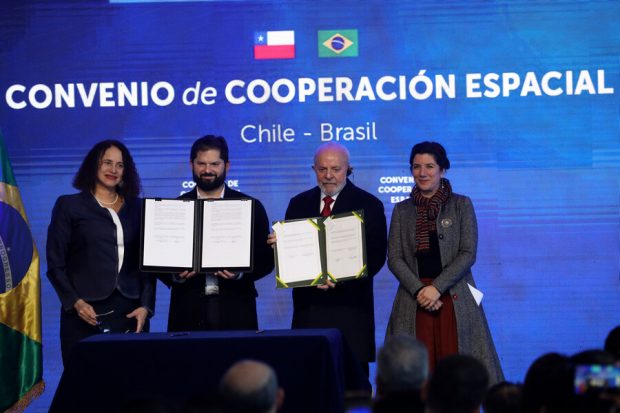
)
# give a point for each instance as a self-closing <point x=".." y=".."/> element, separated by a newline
<point x="274" y="45"/>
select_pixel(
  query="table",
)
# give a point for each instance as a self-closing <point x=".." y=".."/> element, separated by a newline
<point x="314" y="367"/>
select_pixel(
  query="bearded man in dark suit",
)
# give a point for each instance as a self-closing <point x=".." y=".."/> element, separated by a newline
<point x="222" y="300"/>
<point x="349" y="305"/>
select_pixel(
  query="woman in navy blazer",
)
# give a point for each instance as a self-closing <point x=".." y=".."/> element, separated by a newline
<point x="93" y="248"/>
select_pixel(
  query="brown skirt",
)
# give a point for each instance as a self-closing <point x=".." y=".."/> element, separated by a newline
<point x="437" y="329"/>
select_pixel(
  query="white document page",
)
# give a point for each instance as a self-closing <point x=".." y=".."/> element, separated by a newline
<point x="226" y="234"/>
<point x="299" y="254"/>
<point x="345" y="251"/>
<point x="476" y="293"/>
<point x="168" y="233"/>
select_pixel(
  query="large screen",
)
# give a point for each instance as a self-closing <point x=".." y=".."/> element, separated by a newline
<point x="523" y="95"/>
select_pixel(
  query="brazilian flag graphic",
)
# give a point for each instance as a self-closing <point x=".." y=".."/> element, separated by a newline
<point x="21" y="361"/>
<point x="338" y="43"/>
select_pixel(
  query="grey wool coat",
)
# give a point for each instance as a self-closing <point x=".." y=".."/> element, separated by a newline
<point x="457" y="233"/>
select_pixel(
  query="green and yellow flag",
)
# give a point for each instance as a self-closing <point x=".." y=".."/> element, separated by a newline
<point x="338" y="43"/>
<point x="21" y="360"/>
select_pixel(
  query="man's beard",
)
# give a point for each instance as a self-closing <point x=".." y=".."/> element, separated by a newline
<point x="209" y="186"/>
<point x="334" y="191"/>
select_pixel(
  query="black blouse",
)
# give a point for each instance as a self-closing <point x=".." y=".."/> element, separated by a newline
<point x="429" y="262"/>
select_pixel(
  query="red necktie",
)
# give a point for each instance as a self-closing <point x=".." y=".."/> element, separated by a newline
<point x="327" y="210"/>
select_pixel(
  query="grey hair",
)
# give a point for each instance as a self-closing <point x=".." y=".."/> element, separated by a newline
<point x="332" y="146"/>
<point x="402" y="364"/>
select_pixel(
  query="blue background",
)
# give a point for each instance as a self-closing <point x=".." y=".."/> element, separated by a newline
<point x="542" y="171"/>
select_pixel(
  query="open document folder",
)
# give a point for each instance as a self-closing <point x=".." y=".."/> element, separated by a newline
<point x="199" y="235"/>
<point x="309" y="251"/>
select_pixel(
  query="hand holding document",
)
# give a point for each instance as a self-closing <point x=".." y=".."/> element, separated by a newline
<point x="311" y="251"/>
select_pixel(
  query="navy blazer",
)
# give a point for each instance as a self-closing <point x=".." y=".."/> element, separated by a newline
<point x="82" y="254"/>
<point x="350" y="305"/>
<point x="237" y="297"/>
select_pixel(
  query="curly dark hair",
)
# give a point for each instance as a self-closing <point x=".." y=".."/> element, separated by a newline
<point x="86" y="176"/>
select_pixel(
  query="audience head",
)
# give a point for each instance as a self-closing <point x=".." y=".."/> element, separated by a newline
<point x="592" y="356"/>
<point x="402" y="365"/>
<point x="612" y="343"/>
<point x="503" y="397"/>
<point x="548" y="385"/>
<point x="251" y="386"/>
<point x="457" y="385"/>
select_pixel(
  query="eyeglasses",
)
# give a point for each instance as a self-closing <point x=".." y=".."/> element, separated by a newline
<point x="104" y="327"/>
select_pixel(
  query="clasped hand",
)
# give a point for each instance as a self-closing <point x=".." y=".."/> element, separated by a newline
<point x="428" y="298"/>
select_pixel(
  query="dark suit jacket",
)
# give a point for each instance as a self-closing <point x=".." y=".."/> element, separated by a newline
<point x="350" y="305"/>
<point x="82" y="255"/>
<point x="236" y="298"/>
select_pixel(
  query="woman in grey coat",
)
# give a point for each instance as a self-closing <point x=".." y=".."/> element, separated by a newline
<point x="431" y="249"/>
